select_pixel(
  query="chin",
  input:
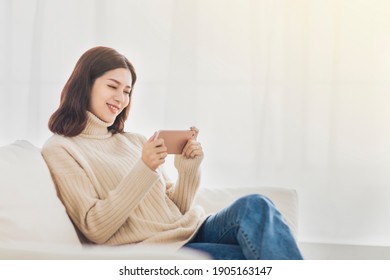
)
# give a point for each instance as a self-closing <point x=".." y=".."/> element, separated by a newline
<point x="110" y="120"/>
<point x="106" y="119"/>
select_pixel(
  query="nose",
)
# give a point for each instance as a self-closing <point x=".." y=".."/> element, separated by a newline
<point x="119" y="96"/>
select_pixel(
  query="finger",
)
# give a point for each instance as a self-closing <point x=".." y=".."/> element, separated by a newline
<point x="156" y="134"/>
<point x="196" y="152"/>
<point x="159" y="146"/>
<point x="162" y="156"/>
<point x="157" y="143"/>
<point x="194" y="148"/>
<point x="153" y="137"/>
<point x="187" y="147"/>
<point x="196" y="130"/>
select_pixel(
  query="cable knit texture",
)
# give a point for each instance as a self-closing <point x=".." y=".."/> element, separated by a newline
<point x="113" y="197"/>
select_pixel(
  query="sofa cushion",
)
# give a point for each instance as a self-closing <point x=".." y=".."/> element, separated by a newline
<point x="29" y="208"/>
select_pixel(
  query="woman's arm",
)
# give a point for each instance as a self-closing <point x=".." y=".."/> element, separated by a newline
<point x="97" y="218"/>
<point x="188" y="167"/>
<point x="188" y="182"/>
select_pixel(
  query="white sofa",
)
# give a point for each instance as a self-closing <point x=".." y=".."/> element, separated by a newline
<point x="34" y="223"/>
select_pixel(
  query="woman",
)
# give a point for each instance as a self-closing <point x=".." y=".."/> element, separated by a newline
<point x="113" y="186"/>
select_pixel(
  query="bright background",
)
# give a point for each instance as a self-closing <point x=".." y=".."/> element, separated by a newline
<point x="285" y="93"/>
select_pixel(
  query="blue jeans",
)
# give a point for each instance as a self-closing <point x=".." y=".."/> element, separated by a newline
<point x="250" y="228"/>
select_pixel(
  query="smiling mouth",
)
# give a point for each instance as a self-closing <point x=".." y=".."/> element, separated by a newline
<point x="113" y="109"/>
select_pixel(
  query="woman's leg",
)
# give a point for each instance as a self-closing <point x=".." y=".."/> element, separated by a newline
<point x="253" y="223"/>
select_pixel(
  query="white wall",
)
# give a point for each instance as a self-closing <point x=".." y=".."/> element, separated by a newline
<point x="286" y="93"/>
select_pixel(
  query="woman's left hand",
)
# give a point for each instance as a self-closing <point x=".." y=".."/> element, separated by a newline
<point x="193" y="148"/>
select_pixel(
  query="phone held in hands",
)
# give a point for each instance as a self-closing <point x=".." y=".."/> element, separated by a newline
<point x="175" y="140"/>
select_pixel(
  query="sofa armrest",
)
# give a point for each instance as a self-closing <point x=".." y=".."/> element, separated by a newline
<point x="285" y="200"/>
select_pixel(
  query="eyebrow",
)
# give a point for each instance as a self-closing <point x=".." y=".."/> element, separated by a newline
<point x="119" y="83"/>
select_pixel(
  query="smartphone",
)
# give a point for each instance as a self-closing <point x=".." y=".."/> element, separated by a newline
<point x="175" y="140"/>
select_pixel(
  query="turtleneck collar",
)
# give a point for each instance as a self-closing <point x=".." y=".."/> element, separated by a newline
<point x="96" y="128"/>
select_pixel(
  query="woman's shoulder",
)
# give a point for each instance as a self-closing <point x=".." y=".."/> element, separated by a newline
<point x="135" y="137"/>
<point x="56" y="141"/>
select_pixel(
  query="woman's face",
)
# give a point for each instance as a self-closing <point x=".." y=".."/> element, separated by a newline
<point x="110" y="94"/>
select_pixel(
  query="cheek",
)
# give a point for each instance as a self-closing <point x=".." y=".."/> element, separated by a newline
<point x="128" y="101"/>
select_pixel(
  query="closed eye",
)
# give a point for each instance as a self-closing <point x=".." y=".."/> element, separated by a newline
<point x="111" y="86"/>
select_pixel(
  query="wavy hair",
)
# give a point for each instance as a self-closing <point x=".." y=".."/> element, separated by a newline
<point x="70" y="118"/>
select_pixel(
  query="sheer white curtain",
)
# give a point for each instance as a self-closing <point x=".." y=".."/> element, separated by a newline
<point x="285" y="93"/>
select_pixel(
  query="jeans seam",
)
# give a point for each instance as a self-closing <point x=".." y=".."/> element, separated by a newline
<point x="249" y="244"/>
<point x="232" y="226"/>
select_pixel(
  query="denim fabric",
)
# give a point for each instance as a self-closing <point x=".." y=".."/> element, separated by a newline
<point x="250" y="228"/>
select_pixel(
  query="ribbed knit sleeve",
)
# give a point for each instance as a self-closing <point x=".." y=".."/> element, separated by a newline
<point x="188" y="181"/>
<point x="98" y="218"/>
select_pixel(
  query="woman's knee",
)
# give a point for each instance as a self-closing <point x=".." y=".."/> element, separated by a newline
<point x="253" y="203"/>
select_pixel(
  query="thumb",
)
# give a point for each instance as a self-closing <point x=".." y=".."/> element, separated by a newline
<point x="196" y="130"/>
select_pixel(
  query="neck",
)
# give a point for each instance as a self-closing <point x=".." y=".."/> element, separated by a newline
<point x="95" y="127"/>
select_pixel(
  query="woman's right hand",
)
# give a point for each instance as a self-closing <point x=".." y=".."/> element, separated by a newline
<point x="154" y="152"/>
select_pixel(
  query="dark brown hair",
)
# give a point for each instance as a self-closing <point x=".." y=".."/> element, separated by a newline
<point x="70" y="118"/>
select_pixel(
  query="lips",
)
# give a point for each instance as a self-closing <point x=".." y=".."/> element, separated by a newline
<point x="114" y="109"/>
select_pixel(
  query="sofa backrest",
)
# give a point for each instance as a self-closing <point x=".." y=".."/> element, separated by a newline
<point x="29" y="208"/>
<point x="285" y="200"/>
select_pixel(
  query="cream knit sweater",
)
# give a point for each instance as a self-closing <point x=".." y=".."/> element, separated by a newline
<point x="113" y="197"/>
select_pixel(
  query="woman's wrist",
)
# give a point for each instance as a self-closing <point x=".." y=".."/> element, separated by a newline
<point x="190" y="165"/>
